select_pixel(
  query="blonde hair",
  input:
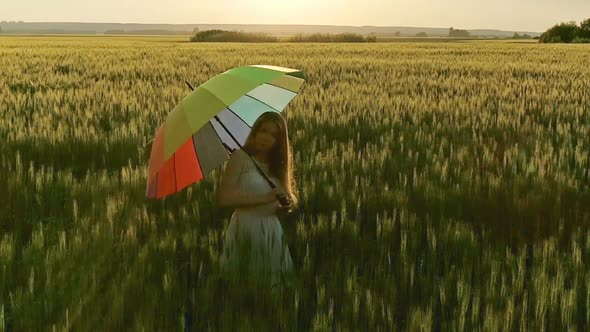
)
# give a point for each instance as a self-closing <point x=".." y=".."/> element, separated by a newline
<point x="280" y="157"/>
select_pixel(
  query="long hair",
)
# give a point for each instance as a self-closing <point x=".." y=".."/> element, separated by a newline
<point x="280" y="157"/>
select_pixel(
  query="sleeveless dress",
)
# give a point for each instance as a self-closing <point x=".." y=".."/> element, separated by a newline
<point x="254" y="248"/>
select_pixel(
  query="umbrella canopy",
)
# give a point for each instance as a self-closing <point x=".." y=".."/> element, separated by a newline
<point x="216" y="118"/>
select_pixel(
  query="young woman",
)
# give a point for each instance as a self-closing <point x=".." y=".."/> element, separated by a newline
<point x="254" y="246"/>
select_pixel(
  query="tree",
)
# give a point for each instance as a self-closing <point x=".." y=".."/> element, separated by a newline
<point x="421" y="34"/>
<point x="560" y="33"/>
<point x="397" y="33"/>
<point x="584" y="31"/>
<point x="231" y="36"/>
<point x="458" y="33"/>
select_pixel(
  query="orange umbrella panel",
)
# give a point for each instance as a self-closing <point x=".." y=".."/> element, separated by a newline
<point x="196" y="158"/>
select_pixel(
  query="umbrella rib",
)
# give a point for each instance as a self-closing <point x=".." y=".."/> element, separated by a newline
<point x="280" y="87"/>
<point x="239" y="117"/>
<point x="260" y="101"/>
<point x="197" y="154"/>
<point x="227" y="131"/>
<point x="297" y="74"/>
<point x="226" y="146"/>
<point x="270" y="183"/>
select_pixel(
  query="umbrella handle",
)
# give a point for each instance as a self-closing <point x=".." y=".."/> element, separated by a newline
<point x="283" y="199"/>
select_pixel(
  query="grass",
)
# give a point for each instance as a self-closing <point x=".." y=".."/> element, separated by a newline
<point x="444" y="186"/>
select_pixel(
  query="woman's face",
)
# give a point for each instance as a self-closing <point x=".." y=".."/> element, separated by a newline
<point x="266" y="136"/>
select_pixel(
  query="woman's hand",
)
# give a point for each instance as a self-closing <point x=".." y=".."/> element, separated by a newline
<point x="277" y="208"/>
<point x="281" y="196"/>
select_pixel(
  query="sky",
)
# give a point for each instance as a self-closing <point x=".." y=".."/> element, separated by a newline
<point x="514" y="15"/>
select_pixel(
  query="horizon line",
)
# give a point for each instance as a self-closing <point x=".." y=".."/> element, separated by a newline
<point x="271" y="24"/>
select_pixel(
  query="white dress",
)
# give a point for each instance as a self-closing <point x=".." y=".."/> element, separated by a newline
<point x="254" y="245"/>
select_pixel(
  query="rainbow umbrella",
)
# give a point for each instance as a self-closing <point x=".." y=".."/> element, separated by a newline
<point x="213" y="120"/>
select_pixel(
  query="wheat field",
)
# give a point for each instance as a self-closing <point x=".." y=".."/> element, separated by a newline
<point x="444" y="187"/>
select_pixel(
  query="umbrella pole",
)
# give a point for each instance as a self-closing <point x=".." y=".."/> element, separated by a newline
<point x="270" y="183"/>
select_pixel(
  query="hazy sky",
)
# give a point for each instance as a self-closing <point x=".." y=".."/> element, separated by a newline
<point x="521" y="15"/>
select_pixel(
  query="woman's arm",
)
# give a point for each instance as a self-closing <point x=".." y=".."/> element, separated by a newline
<point x="229" y="195"/>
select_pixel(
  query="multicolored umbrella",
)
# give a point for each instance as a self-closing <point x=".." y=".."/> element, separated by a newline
<point x="213" y="120"/>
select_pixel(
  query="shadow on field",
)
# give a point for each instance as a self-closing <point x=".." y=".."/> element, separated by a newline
<point x="523" y="213"/>
<point x="79" y="156"/>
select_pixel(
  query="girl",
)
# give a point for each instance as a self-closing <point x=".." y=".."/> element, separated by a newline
<point x="254" y="247"/>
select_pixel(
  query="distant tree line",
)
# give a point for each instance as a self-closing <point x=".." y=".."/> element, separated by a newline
<point x="458" y="33"/>
<point x="332" y="38"/>
<point x="567" y="32"/>
<point x="248" y="37"/>
<point x="523" y="36"/>
<point x="231" y="36"/>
